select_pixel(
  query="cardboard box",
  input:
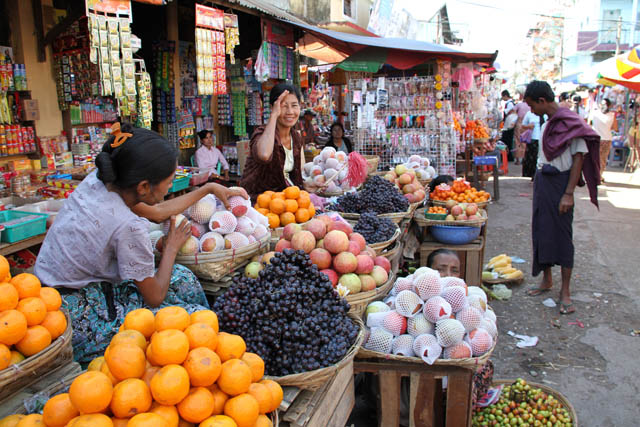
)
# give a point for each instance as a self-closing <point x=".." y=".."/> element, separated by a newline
<point x="18" y="165"/>
<point x="243" y="153"/>
<point x="64" y="159"/>
<point x="30" y="109"/>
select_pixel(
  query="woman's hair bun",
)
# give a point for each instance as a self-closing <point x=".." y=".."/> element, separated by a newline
<point x="106" y="173"/>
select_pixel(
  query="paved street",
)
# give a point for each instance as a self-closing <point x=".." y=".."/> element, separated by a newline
<point x="594" y="366"/>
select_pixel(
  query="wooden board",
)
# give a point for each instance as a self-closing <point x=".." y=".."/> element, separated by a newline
<point x="471" y="258"/>
<point x="11" y="248"/>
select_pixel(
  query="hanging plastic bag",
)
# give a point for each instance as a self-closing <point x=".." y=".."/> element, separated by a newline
<point x="262" y="68"/>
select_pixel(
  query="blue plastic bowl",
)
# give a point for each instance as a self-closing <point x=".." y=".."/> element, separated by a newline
<point x="454" y="235"/>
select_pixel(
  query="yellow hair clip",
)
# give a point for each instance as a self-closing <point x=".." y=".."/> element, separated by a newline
<point x="119" y="136"/>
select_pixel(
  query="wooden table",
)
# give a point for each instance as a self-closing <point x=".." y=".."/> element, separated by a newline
<point x="11" y="248"/>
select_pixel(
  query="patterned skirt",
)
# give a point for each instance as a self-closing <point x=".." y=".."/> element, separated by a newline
<point x="98" y="309"/>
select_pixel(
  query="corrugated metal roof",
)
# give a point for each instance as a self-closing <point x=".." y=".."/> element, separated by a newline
<point x="269" y="8"/>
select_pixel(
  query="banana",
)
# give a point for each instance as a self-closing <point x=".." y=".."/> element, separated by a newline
<point x="497" y="257"/>
<point x="504" y="262"/>
<point x="515" y="275"/>
<point x="505" y="270"/>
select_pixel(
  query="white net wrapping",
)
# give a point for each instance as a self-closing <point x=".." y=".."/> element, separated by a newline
<point x="475" y="290"/>
<point x="480" y="341"/>
<point x="202" y="210"/>
<point x="427" y="285"/>
<point x="462" y="350"/>
<point x="379" y="340"/>
<point x="245" y="226"/>
<point x="424" y="270"/>
<point x="408" y="303"/>
<point x="477" y="302"/>
<point x="394" y="323"/>
<point x="154" y="236"/>
<point x="403" y="346"/>
<point x="436" y="308"/>
<point x="402" y="284"/>
<point x="374" y="320"/>
<point x="452" y="281"/>
<point x="426" y="347"/>
<point x="216" y="242"/>
<point x="418" y="325"/>
<point x="491" y="315"/>
<point x="449" y="332"/>
<point x="257" y="217"/>
<point x="456" y="296"/>
<point x="237" y="240"/>
<point x="223" y="222"/>
<point x="488" y="325"/>
<point x="470" y="317"/>
<point x="391" y="302"/>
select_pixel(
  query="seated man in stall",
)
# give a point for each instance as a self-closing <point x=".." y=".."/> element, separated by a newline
<point x="445" y="262"/>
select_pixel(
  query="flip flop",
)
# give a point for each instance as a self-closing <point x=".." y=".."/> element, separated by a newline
<point x="567" y="308"/>
<point x="534" y="292"/>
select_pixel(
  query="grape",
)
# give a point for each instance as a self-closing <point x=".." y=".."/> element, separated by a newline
<point x="378" y="195"/>
<point x="375" y="229"/>
<point x="290" y="315"/>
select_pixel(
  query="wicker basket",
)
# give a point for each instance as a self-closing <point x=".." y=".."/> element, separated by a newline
<point x="396" y="217"/>
<point x="545" y="388"/>
<point x="425" y="182"/>
<point x="312" y="380"/>
<point x="213" y="266"/>
<point x="372" y="162"/>
<point x="444" y="203"/>
<point x="361" y="300"/>
<point x="379" y="247"/>
<point x="58" y="353"/>
<point x="419" y="218"/>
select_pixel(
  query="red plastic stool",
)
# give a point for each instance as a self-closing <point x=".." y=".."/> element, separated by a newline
<point x="505" y="162"/>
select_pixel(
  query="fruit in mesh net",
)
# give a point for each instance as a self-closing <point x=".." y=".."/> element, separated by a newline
<point x="260" y="231"/>
<point x="452" y="281"/>
<point x="449" y="332"/>
<point x="418" y="325"/>
<point x="403" y="346"/>
<point x="408" y="303"/>
<point x="190" y="247"/>
<point x="427" y="285"/>
<point x="239" y="205"/>
<point x="391" y="302"/>
<point x="470" y="317"/>
<point x="480" y="341"/>
<point x="475" y="290"/>
<point x="426" y="346"/>
<point x="245" y="226"/>
<point x="223" y="222"/>
<point x="380" y="340"/>
<point x="436" y="308"/>
<point x="211" y="242"/>
<point x="374" y="320"/>
<point x="424" y="270"/>
<point x="462" y="350"/>
<point x="395" y="323"/>
<point x="202" y="210"/>
<point x="490" y="314"/>
<point x="489" y="326"/>
<point x="236" y="240"/>
<point x="456" y="297"/>
<point x="402" y="284"/>
<point x="477" y="302"/>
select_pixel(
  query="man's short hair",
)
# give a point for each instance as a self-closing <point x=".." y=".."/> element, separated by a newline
<point x="538" y="89"/>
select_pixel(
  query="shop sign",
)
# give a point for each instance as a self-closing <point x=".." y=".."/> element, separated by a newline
<point x="279" y="33"/>
<point x="208" y="17"/>
<point x="116" y="7"/>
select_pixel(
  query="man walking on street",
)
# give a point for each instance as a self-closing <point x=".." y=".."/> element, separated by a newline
<point x="569" y="149"/>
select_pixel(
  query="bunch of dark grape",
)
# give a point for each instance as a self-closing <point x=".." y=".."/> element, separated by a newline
<point x="378" y="195"/>
<point x="290" y="316"/>
<point x="375" y="229"/>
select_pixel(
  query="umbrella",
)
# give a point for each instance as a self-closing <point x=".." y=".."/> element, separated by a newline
<point x="621" y="70"/>
<point x="371" y="59"/>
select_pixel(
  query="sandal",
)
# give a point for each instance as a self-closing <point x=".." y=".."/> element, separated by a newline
<point x="534" y="292"/>
<point x="567" y="308"/>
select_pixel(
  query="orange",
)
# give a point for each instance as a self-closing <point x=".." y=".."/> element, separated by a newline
<point x="276" y="393"/>
<point x="302" y="215"/>
<point x="256" y="364"/>
<point x="32" y="420"/>
<point x="201" y="335"/>
<point x="105" y="370"/>
<point x="183" y="423"/>
<point x="170" y="346"/>
<point x="278" y="195"/>
<point x="290" y="205"/>
<point x="292" y="192"/>
<point x="150" y="358"/>
<point x="263" y="211"/>
<point x="16" y="358"/>
<point x="91" y="420"/>
<point x="34" y="341"/>
<point x="244" y="410"/>
<point x="205" y="316"/>
<point x="220" y="398"/>
<point x="287" y="218"/>
<point x="269" y="193"/>
<point x="197" y="406"/>
<point x="51" y="298"/>
<point x="203" y="366"/>
<point x="33" y="309"/>
<point x="13" y="326"/>
<point x="96" y="364"/>
<point x="126" y="361"/>
<point x="55" y="322"/>
<point x="91" y="392"/>
<point x="169" y="413"/>
<point x="58" y="411"/>
<point x="235" y="377"/>
<point x="8" y="297"/>
<point x="262" y="395"/>
<point x="170" y="385"/>
<point x="27" y="285"/>
<point x="141" y="320"/>
<point x="173" y="317"/>
<point x="11" y="420"/>
<point x="5" y="356"/>
<point x="263" y="200"/>
<point x="263" y="421"/>
<point x="148" y="419"/>
<point x="130" y="397"/>
<point x="130" y="336"/>
<point x="274" y="220"/>
<point x="230" y="346"/>
<point x="149" y="372"/>
<point x="304" y="193"/>
<point x="4" y="270"/>
<point x="304" y="201"/>
<point x="219" y="421"/>
<point x="119" y="422"/>
<point x="277" y="206"/>
<point x="312" y="210"/>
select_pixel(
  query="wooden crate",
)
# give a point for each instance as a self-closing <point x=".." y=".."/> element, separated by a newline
<point x="471" y="258"/>
<point x="329" y="406"/>
<point x="425" y="393"/>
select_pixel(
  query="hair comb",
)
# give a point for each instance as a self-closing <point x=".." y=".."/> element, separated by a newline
<point x="119" y="136"/>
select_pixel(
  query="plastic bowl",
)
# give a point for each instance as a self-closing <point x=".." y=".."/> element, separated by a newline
<point x="454" y="235"/>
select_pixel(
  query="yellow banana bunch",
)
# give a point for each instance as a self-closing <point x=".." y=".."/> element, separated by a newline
<point x="514" y="276"/>
<point x="505" y="270"/>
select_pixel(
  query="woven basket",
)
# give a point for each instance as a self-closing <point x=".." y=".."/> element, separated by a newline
<point x="444" y="203"/>
<point x="213" y="266"/>
<point x="361" y="300"/>
<point x="416" y="205"/>
<point x="372" y="163"/>
<point x="419" y="218"/>
<point x="396" y="217"/>
<point x="379" y="247"/>
<point x="312" y="380"/>
<point x="59" y="352"/>
<point x="425" y="182"/>
<point x="561" y="398"/>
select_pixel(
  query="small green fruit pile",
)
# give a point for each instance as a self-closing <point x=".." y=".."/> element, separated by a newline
<point x="537" y="409"/>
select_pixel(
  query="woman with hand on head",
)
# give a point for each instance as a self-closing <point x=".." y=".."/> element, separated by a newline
<point x="99" y="254"/>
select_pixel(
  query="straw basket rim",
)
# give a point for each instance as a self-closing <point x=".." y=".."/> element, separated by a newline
<point x="444" y="202"/>
<point x="225" y="255"/>
<point x="381" y="246"/>
<point x="373" y="294"/>
<point x="422" y="221"/>
<point x="396" y="217"/>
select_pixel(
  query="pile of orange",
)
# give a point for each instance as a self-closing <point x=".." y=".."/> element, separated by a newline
<point x="460" y="191"/>
<point x="286" y="207"/>
<point x="171" y="369"/>
<point x="30" y="316"/>
<point x="437" y="210"/>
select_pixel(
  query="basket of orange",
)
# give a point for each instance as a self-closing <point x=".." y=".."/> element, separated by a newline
<point x="35" y="334"/>
<point x="461" y="192"/>
<point x="291" y="205"/>
<point x="168" y="369"/>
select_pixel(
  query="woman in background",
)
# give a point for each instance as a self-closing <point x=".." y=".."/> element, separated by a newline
<point x="338" y="140"/>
